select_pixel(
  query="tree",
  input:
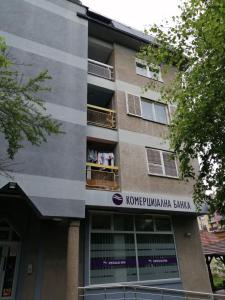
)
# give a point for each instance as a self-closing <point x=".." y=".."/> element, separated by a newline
<point x="195" y="45"/>
<point x="22" y="109"/>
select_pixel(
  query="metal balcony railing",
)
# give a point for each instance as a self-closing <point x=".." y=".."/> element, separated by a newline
<point x="139" y="292"/>
<point x="99" y="69"/>
<point x="100" y="116"/>
<point x="101" y="177"/>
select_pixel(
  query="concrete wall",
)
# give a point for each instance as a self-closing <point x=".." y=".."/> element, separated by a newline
<point x="193" y="270"/>
<point x="49" y="35"/>
<point x="53" y="283"/>
<point x="135" y="178"/>
<point x="135" y="134"/>
<point x="126" y="68"/>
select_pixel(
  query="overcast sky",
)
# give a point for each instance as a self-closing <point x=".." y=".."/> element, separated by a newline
<point x="137" y="14"/>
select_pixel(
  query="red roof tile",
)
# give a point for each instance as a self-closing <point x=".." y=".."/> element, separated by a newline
<point x="213" y="243"/>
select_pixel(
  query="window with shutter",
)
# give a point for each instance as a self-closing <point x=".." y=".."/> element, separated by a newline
<point x="154" y="161"/>
<point x="161" y="163"/>
<point x="169" y="164"/>
<point x="133" y="105"/>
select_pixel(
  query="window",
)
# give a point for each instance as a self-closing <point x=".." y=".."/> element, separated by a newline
<point x="150" y="71"/>
<point x="134" y="248"/>
<point x="147" y="109"/>
<point x="133" y="105"/>
<point x="153" y="111"/>
<point x="161" y="163"/>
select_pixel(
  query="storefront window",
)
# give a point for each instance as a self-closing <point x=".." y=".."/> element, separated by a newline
<point x="101" y="222"/>
<point x="132" y="248"/>
<point x="162" y="224"/>
<point x="144" y="223"/>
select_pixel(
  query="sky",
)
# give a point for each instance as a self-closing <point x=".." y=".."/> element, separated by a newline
<point x="137" y="14"/>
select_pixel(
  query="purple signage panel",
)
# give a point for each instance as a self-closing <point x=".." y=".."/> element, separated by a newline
<point x="144" y="261"/>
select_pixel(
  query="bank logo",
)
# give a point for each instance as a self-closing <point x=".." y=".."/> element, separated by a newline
<point x="117" y="199"/>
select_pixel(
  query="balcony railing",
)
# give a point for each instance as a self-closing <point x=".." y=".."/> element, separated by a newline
<point x="99" y="69"/>
<point x="100" y="116"/>
<point x="102" y="177"/>
<point x="140" y="292"/>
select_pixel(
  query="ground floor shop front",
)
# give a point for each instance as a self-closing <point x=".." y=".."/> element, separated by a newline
<point x="43" y="258"/>
<point x="144" y="248"/>
<point x="38" y="256"/>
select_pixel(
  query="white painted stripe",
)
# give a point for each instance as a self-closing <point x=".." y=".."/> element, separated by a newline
<point x="58" y="10"/>
<point x="66" y="114"/>
<point x="136" y="90"/>
<point x="43" y="186"/>
<point x="102" y="133"/>
<point x="43" y="50"/>
<point x="141" y="139"/>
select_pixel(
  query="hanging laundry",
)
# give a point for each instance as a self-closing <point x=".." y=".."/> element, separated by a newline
<point x="92" y="155"/>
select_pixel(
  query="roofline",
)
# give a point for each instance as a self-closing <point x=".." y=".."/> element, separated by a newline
<point x="146" y="41"/>
<point x="77" y="3"/>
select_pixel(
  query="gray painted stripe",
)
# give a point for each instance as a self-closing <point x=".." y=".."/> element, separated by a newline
<point x="141" y="139"/>
<point x="52" y="207"/>
<point x="102" y="133"/>
<point x="43" y="186"/>
<point x="66" y="114"/>
<point x="43" y="50"/>
<point x="136" y="90"/>
<point x="58" y="10"/>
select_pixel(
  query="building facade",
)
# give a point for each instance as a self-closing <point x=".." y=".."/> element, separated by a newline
<point x="102" y="203"/>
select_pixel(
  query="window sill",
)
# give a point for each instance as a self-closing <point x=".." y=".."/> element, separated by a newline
<point x="152" y="121"/>
<point x="164" y="176"/>
<point x="140" y="117"/>
<point x="158" y="80"/>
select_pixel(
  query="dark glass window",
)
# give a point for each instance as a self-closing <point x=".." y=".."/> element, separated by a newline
<point x="143" y="253"/>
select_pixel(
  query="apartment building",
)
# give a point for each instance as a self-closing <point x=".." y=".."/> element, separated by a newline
<point x="102" y="203"/>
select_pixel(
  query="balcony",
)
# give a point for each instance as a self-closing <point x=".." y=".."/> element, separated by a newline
<point x="102" y="170"/>
<point x="102" y="177"/>
<point x="100" y="116"/>
<point x="99" y="69"/>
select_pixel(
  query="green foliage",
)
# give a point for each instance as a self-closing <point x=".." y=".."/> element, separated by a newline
<point x="195" y="45"/>
<point x="22" y="109"/>
<point x="218" y="272"/>
<point x="218" y="282"/>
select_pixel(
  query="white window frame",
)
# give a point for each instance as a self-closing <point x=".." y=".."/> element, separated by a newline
<point x="149" y="73"/>
<point x="154" y="113"/>
<point x="127" y="106"/>
<point x="141" y="109"/>
<point x="162" y="164"/>
<point x="135" y="232"/>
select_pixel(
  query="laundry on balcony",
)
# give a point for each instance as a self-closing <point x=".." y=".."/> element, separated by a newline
<point x="101" y="173"/>
<point x="100" y="158"/>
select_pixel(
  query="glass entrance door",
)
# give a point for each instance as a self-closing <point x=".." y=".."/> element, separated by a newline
<point x="9" y="260"/>
<point x="8" y="270"/>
